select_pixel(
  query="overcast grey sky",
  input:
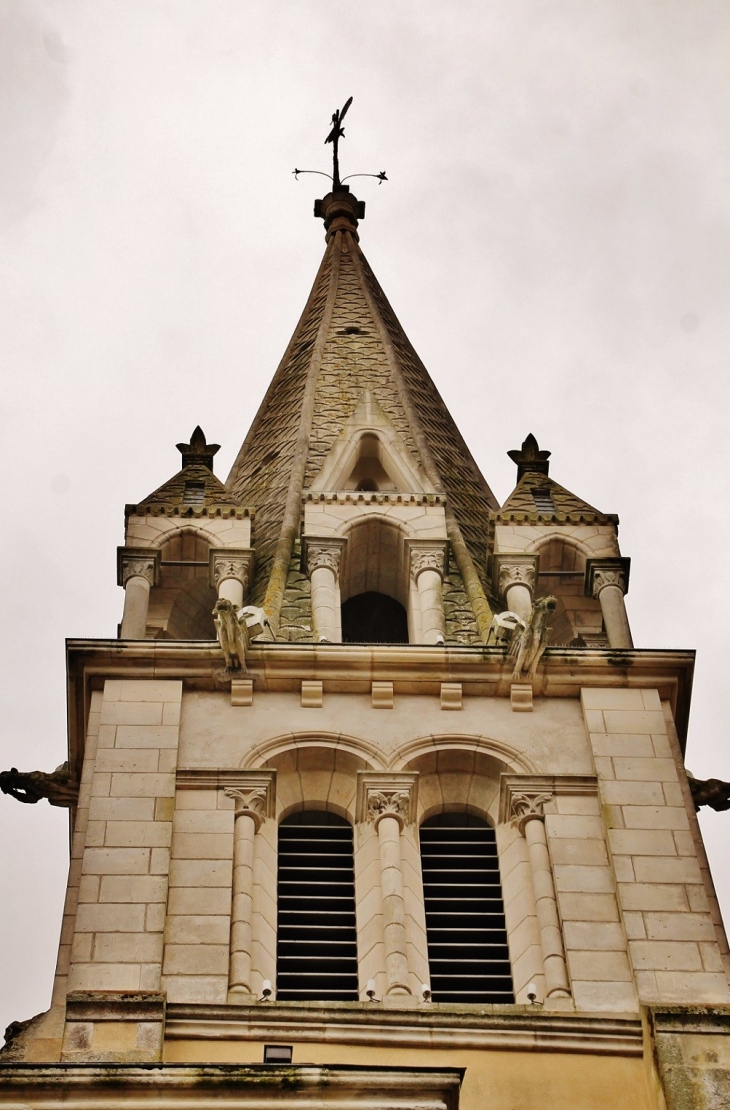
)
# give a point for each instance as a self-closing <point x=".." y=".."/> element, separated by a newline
<point x="555" y="237"/>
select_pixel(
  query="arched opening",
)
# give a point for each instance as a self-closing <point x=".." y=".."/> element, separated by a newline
<point x="577" y="618"/>
<point x="374" y="584"/>
<point x="181" y="606"/>
<point x="316" y="946"/>
<point x="369" y="473"/>
<point x="374" y="618"/>
<point x="465" y="925"/>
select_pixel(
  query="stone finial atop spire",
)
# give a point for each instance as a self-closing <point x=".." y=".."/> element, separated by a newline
<point x="530" y="459"/>
<point x="198" y="452"/>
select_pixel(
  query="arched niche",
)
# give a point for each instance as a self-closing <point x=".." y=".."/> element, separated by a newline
<point x="181" y="605"/>
<point x="316" y="778"/>
<point x="561" y="573"/>
<point x="456" y="780"/>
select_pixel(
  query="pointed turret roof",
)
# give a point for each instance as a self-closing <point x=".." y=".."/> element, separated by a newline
<point x="539" y="497"/>
<point x="349" y="341"/>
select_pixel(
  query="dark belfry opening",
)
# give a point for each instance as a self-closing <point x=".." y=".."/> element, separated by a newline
<point x="465" y="928"/>
<point x="373" y="618"/>
<point x="316" y="947"/>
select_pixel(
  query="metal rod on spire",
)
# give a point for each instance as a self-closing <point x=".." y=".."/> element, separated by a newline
<point x="337" y="133"/>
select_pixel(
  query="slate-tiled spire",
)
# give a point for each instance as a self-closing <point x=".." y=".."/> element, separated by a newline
<point x="349" y="340"/>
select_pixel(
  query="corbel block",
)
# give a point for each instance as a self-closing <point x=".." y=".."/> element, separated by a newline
<point x="241" y="691"/>
<point x="451" y="695"/>
<point x="312" y="694"/>
<point x="521" y="697"/>
<point x="382" y="695"/>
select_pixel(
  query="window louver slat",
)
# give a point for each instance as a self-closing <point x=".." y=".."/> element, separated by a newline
<point x="316" y="955"/>
<point x="465" y="927"/>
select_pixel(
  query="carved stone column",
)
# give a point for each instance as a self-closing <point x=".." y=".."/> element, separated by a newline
<point x="515" y="580"/>
<point x="389" y="801"/>
<point x="230" y="571"/>
<point x="323" y="558"/>
<point x="608" y="580"/>
<point x="527" y="813"/>
<point x="428" y="569"/>
<point x="137" y="572"/>
<point x="254" y="803"/>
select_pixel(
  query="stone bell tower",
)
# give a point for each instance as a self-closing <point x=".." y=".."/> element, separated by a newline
<point x="373" y="797"/>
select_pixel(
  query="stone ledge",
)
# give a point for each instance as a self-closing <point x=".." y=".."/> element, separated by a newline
<point x="215" y="1085"/>
<point x="434" y="1025"/>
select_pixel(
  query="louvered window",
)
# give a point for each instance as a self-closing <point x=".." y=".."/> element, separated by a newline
<point x="465" y="929"/>
<point x="316" y="952"/>
<point x="543" y="499"/>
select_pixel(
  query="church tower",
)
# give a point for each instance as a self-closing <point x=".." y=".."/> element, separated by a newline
<point x="373" y="799"/>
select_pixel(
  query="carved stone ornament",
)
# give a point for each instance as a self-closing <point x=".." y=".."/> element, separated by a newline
<point x="30" y="786"/>
<point x="427" y="558"/>
<point x="527" y="807"/>
<point x="529" y="646"/>
<point x="138" y="562"/>
<point x="607" y="572"/>
<point x="602" y="578"/>
<point x="386" y="794"/>
<point x="324" y="555"/>
<point x="232" y="633"/>
<point x="230" y="564"/>
<point x="389" y="803"/>
<point x="138" y="568"/>
<point x="251" y="803"/>
<point x="516" y="574"/>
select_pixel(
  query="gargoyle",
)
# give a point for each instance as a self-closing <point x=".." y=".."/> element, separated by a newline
<point x="530" y="645"/>
<point x="30" y="786"/>
<point x="504" y="628"/>
<point x="232" y="632"/>
<point x="710" y="792"/>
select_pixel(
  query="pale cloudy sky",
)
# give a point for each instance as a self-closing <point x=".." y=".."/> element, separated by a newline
<point x="555" y="237"/>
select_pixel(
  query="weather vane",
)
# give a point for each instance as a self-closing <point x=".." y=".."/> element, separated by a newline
<point x="337" y="133"/>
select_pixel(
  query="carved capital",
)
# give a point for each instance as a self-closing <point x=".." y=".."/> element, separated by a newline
<point x="528" y="807"/>
<point x="524" y="797"/>
<point x="253" y="796"/>
<point x="427" y="555"/>
<point x="386" y="795"/>
<point x="607" y="572"/>
<point x="137" y="562"/>
<point x="230" y="563"/>
<point x="326" y="552"/>
<point x="514" y="570"/>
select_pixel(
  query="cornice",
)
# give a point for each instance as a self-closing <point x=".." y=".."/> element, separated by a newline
<point x="167" y="509"/>
<point x="516" y="1028"/>
<point x="346" y="497"/>
<point x="521" y="516"/>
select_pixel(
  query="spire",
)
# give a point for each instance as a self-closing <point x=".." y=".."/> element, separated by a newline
<point x="349" y="341"/>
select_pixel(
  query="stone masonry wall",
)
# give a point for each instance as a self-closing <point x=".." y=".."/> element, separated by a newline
<point x="662" y="899"/>
<point x="125" y="857"/>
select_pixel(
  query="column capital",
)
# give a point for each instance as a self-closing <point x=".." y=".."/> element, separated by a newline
<point x="323" y="551"/>
<point x="253" y="793"/>
<point x="523" y="797"/>
<point x="613" y="571"/>
<point x="138" y="562"/>
<point x="427" y="555"/>
<point x="514" y="569"/>
<point x="386" y="794"/>
<point x="230" y="562"/>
